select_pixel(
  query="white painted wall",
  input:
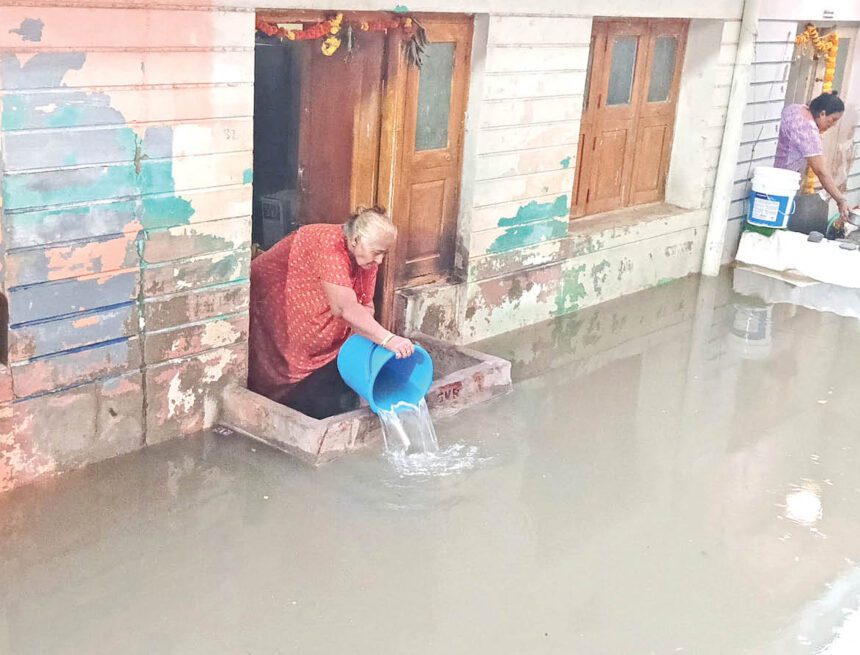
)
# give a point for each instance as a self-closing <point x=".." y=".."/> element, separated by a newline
<point x="701" y="113"/>
<point x="810" y="10"/>
<point x="531" y="103"/>
<point x="722" y="9"/>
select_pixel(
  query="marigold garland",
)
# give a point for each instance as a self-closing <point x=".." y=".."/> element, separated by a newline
<point x="329" y="31"/>
<point x="828" y="45"/>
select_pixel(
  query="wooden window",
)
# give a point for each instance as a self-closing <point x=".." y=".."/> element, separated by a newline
<point x="628" y="114"/>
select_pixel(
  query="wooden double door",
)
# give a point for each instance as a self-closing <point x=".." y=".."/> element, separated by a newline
<point x="628" y="113"/>
<point x="375" y="130"/>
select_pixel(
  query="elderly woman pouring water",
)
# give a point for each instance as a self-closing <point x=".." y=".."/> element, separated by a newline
<point x="308" y="294"/>
<point x="800" y="142"/>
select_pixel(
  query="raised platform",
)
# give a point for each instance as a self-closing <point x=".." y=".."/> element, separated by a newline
<point x="463" y="377"/>
<point x="791" y="252"/>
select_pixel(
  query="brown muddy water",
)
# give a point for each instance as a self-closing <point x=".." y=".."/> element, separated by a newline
<point x="675" y="472"/>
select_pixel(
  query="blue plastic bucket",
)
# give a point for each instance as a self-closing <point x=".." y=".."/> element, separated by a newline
<point x="376" y="375"/>
<point x="771" y="200"/>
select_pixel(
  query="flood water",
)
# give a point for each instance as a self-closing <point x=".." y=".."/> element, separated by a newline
<point x="675" y="472"/>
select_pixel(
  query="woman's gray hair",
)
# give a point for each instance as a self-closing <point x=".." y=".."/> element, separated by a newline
<point x="370" y="225"/>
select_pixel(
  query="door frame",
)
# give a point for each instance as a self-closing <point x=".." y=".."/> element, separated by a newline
<point x="392" y="131"/>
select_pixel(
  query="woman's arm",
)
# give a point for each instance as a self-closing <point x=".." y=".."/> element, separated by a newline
<point x="819" y="167"/>
<point x="344" y="304"/>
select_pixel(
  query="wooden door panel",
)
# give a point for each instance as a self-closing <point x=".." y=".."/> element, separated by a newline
<point x="647" y="159"/>
<point x="609" y="165"/>
<point x="614" y="124"/>
<point x="325" y="141"/>
<point x="427" y="210"/>
<point x="428" y="184"/>
<point x="339" y="131"/>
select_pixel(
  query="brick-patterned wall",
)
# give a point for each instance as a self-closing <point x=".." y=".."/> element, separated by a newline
<point x="529" y="129"/>
<point x="774" y="51"/>
<point x="853" y="183"/>
<point x="126" y="166"/>
<point x="720" y="102"/>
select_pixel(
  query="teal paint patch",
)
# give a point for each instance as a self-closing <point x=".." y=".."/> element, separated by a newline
<point x="227" y="268"/>
<point x="18" y="112"/>
<point x="565" y="163"/>
<point x="537" y="211"/>
<point x="149" y="182"/>
<point x="570" y="292"/>
<point x="533" y="223"/>
<point x="664" y="280"/>
<point x="165" y="211"/>
<point x="248" y="176"/>
<point x="34" y="228"/>
<point x="401" y="9"/>
<point x="528" y="235"/>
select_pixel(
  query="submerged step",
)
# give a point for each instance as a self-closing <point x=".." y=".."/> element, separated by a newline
<point x="463" y="377"/>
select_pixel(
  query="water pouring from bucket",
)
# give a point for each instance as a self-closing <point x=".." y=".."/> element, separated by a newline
<point x="394" y="389"/>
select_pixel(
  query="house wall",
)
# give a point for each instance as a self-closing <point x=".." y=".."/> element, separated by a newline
<point x="524" y="262"/>
<point x="126" y="138"/>
<point x="126" y="154"/>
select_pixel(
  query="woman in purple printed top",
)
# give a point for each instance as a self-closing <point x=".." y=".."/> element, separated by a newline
<point x="800" y="142"/>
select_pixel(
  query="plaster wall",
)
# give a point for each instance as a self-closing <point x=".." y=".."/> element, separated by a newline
<point x="126" y="135"/>
<point x="126" y="163"/>
<point x="520" y="258"/>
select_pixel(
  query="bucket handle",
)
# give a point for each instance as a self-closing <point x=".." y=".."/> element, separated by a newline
<point x="370" y="361"/>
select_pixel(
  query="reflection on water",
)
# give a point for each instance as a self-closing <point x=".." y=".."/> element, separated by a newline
<point x="652" y="485"/>
<point x="803" y="505"/>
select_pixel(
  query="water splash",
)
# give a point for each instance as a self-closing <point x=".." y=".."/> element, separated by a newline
<point x="412" y="448"/>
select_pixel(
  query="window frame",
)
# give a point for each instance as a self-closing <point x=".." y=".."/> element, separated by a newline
<point x="638" y="121"/>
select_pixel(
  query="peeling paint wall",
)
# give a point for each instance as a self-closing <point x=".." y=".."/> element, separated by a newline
<point x="126" y="169"/>
<point x="126" y="166"/>
<point x="521" y="258"/>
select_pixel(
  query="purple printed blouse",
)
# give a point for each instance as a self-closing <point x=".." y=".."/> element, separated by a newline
<point x="799" y="138"/>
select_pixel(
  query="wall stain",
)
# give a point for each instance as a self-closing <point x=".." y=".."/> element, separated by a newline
<point x="599" y="275"/>
<point x="30" y="29"/>
<point x="570" y="291"/>
<point x="533" y="223"/>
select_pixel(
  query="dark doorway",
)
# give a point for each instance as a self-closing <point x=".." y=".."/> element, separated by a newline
<point x="277" y="97"/>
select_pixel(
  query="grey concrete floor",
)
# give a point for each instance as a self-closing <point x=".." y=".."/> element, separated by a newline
<point x="675" y="472"/>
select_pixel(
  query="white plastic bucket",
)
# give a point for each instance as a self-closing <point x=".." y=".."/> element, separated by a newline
<point x="771" y="200"/>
